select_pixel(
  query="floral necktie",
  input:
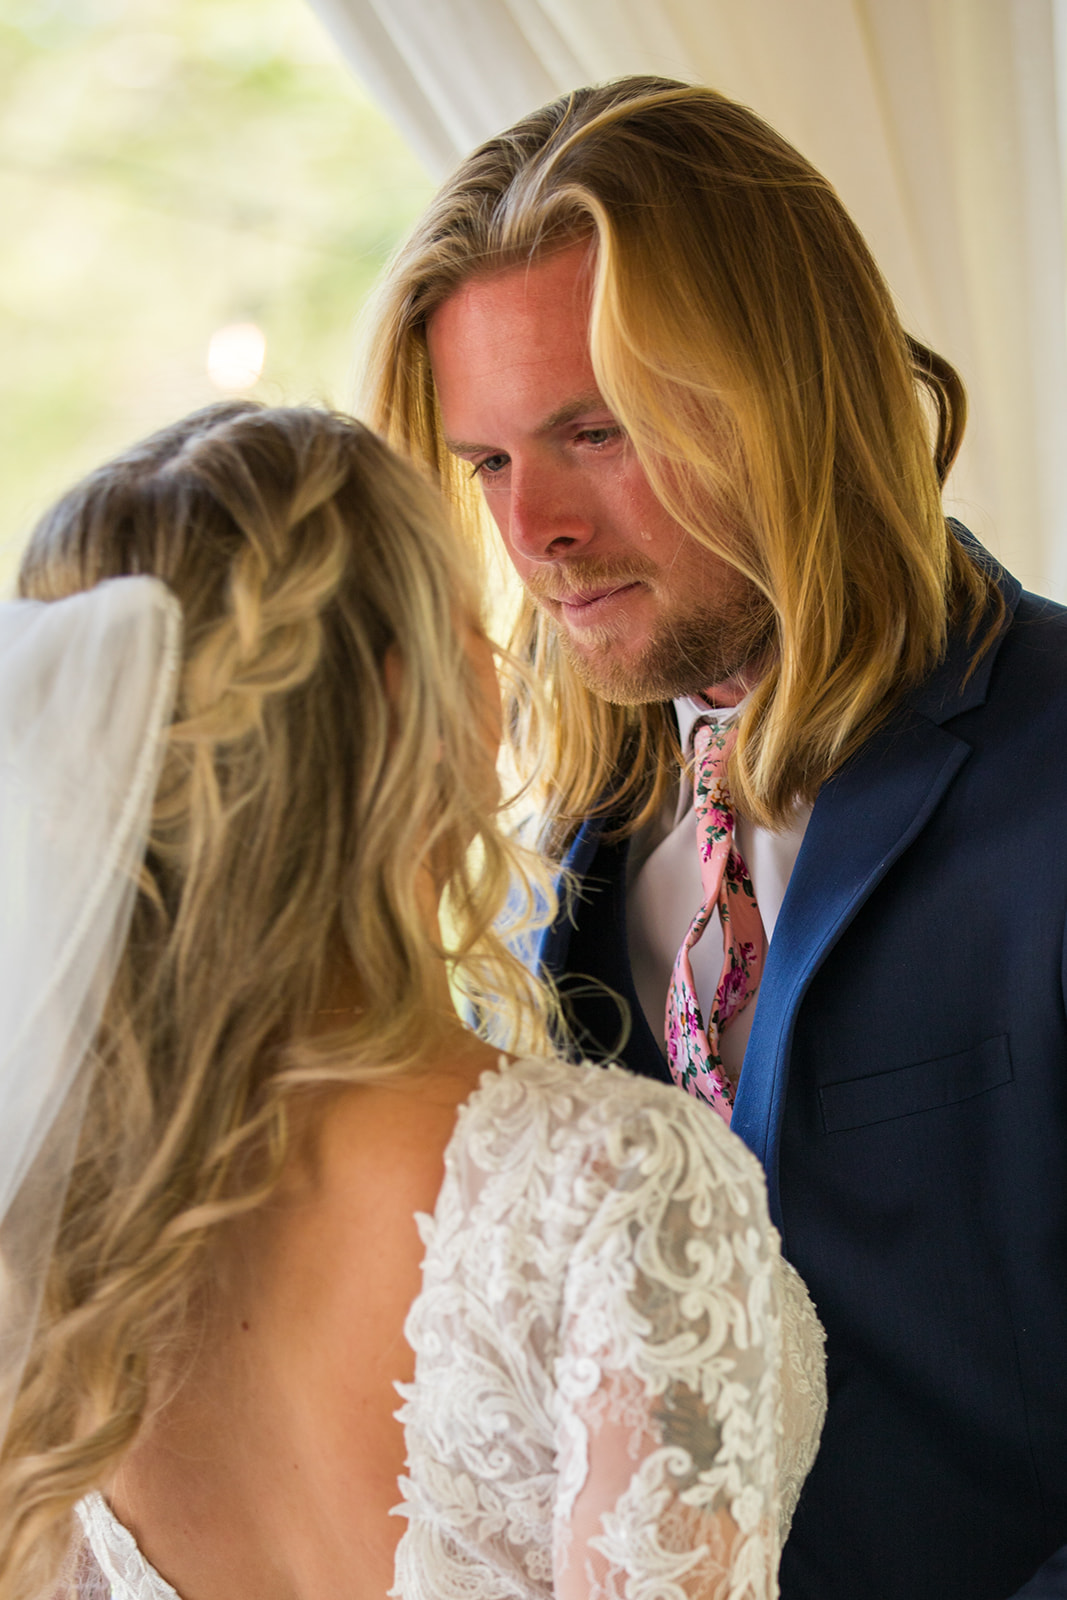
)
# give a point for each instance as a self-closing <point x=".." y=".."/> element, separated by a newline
<point x="692" y="1049"/>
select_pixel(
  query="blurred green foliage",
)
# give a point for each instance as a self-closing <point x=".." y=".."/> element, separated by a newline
<point x="168" y="167"/>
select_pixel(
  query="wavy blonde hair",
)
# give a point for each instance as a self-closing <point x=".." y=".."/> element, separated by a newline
<point x="743" y="335"/>
<point x="298" y="802"/>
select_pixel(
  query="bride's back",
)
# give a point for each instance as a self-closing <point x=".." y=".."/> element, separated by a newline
<point x="277" y="1066"/>
<point x="270" y="1471"/>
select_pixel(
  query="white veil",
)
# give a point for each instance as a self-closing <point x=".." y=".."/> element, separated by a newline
<point x="86" y="692"/>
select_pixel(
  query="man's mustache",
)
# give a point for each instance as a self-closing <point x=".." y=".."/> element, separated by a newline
<point x="580" y="577"/>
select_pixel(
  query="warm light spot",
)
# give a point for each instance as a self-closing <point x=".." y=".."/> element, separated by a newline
<point x="235" y="356"/>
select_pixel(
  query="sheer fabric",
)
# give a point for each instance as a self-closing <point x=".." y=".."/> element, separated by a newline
<point x="86" y="690"/>
<point x="113" y="1568"/>
<point x="619" y="1383"/>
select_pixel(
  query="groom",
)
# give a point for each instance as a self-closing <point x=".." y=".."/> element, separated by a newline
<point x="648" y="330"/>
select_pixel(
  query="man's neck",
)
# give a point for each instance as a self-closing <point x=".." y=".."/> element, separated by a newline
<point x="722" y="696"/>
<point x="731" y="691"/>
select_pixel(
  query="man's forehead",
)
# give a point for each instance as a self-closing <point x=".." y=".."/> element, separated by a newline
<point x="523" y="302"/>
<point x="510" y="351"/>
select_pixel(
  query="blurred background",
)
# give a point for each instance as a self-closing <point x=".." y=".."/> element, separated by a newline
<point x="195" y="196"/>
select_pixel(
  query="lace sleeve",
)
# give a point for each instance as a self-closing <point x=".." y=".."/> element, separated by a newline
<point x="668" y="1373"/>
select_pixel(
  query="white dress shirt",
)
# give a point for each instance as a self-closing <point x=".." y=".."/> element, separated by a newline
<point x="664" y="893"/>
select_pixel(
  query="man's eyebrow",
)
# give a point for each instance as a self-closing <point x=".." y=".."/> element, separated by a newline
<point x="460" y="447"/>
<point x="593" y="401"/>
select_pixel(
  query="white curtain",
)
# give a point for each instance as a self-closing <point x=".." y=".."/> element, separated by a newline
<point x="938" y="121"/>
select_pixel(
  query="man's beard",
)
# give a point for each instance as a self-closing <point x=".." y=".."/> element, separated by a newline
<point x="690" y="653"/>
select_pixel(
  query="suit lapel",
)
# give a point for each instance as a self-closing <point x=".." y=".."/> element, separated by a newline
<point x="550" y="954"/>
<point x="591" y="944"/>
<point x="864" y="819"/>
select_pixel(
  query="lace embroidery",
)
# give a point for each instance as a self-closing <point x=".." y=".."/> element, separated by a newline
<point x="619" y="1384"/>
<point x="602" y="1338"/>
<point x="122" y="1571"/>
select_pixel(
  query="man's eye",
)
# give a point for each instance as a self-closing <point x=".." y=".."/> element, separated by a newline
<point x="490" y="466"/>
<point x="605" y="435"/>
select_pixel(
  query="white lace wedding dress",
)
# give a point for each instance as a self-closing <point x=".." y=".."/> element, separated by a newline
<point x="619" y="1383"/>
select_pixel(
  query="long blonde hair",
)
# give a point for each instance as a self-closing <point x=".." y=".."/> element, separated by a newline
<point x="299" y="799"/>
<point x="743" y="335"/>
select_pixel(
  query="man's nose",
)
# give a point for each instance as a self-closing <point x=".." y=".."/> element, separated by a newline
<point x="547" y="515"/>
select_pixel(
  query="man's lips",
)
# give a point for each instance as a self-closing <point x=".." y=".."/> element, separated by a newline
<point x="586" y="600"/>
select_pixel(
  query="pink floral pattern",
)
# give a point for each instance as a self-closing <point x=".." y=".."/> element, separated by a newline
<point x="692" y="1046"/>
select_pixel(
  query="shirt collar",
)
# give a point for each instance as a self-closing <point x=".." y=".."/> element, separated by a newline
<point x="689" y="710"/>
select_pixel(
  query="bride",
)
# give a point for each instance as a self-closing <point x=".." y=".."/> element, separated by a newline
<point x="256" y="1176"/>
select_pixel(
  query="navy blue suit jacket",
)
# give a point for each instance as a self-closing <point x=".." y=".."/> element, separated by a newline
<point x="905" y="1087"/>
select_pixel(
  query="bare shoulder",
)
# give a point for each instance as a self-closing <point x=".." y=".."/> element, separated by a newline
<point x="285" y="1417"/>
<point x="391" y="1137"/>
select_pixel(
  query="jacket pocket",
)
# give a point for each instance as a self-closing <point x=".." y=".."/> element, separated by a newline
<point x="945" y="1081"/>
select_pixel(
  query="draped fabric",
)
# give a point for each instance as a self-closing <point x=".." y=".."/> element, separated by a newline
<point x="937" y="120"/>
<point x="86" y="690"/>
